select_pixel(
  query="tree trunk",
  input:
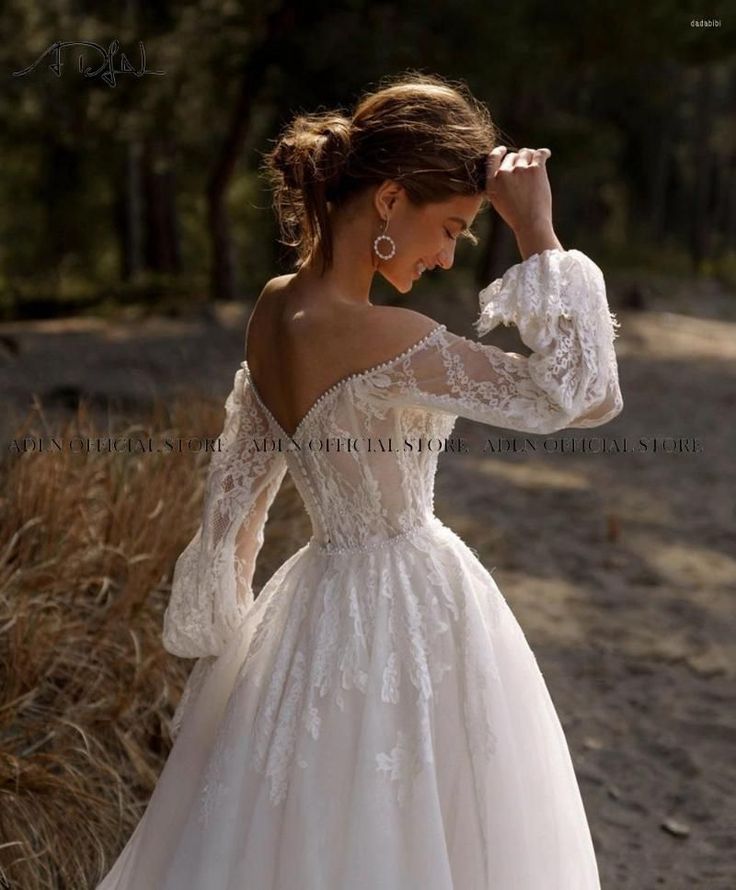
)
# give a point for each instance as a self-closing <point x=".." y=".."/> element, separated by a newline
<point x="130" y="214"/>
<point x="162" y="250"/>
<point x="223" y="276"/>
<point x="729" y="224"/>
<point x="702" y="163"/>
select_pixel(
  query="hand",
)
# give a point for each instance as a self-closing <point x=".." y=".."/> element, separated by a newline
<point x="518" y="187"/>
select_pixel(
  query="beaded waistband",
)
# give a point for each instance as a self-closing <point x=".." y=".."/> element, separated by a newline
<point x="430" y="522"/>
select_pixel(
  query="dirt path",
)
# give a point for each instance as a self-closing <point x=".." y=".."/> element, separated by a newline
<point x="621" y="567"/>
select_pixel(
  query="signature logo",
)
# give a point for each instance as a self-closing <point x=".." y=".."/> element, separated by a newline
<point x="106" y="70"/>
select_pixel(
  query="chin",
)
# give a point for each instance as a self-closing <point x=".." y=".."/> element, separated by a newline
<point x="403" y="286"/>
<point x="411" y="280"/>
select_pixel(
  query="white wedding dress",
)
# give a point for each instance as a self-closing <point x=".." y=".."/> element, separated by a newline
<point x="375" y="719"/>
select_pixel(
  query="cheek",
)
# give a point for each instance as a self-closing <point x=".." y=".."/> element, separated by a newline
<point x="412" y="240"/>
<point x="415" y="249"/>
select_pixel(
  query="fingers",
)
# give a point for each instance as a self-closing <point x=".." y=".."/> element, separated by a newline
<point x="502" y="159"/>
<point x="526" y="157"/>
<point x="509" y="161"/>
<point x="520" y="158"/>
<point x="494" y="160"/>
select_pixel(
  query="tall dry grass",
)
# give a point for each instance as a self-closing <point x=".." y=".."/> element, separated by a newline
<point x="88" y="542"/>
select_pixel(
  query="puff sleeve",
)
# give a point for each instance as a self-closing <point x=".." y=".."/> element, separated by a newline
<point x="211" y="588"/>
<point x="557" y="300"/>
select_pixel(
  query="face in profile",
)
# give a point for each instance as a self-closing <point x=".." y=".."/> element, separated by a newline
<point x="425" y="236"/>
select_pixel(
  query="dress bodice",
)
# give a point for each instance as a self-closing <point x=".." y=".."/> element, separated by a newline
<point x="363" y="466"/>
<point x="364" y="456"/>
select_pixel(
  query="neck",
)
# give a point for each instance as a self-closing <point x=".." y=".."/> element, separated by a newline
<point x="349" y="278"/>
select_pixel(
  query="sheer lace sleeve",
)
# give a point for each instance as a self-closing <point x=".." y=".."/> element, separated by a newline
<point x="557" y="300"/>
<point x="211" y="588"/>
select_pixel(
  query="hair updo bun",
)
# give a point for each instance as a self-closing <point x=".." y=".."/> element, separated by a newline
<point x="312" y="149"/>
<point x="426" y="132"/>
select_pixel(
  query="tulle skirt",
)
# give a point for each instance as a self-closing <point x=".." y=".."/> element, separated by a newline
<point x="378" y="721"/>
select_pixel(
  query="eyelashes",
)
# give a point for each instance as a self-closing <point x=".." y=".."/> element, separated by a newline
<point x="467" y="234"/>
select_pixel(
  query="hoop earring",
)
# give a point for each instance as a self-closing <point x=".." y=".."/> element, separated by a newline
<point x="384" y="237"/>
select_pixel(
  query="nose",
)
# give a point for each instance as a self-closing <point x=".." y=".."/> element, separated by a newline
<point x="446" y="258"/>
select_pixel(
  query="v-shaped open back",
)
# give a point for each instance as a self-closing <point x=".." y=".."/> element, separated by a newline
<point x="379" y="680"/>
<point x="338" y="384"/>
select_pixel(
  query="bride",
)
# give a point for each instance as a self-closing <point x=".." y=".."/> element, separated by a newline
<point x="375" y="718"/>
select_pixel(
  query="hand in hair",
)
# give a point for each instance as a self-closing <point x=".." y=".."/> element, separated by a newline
<point x="518" y="187"/>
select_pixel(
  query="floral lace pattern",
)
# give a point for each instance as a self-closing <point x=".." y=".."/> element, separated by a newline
<point x="380" y="601"/>
<point x="386" y="626"/>
<point x="401" y="764"/>
<point x="211" y="586"/>
<point x="558" y="302"/>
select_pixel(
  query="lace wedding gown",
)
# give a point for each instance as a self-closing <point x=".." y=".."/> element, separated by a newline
<point x="375" y="719"/>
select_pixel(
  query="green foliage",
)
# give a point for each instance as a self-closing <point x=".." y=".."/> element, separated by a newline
<point x="635" y="103"/>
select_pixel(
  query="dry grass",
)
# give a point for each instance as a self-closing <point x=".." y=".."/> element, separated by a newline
<point x="87" y="691"/>
<point x="634" y="631"/>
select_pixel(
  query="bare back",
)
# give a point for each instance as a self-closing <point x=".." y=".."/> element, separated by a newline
<point x="298" y="346"/>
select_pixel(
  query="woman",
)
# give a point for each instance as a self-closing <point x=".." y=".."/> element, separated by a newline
<point x="376" y="718"/>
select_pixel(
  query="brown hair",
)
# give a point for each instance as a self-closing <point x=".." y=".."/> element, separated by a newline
<point x="422" y="130"/>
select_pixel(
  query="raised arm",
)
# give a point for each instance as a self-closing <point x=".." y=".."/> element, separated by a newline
<point x="557" y="299"/>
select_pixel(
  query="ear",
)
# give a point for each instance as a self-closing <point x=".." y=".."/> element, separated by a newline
<point x="386" y="196"/>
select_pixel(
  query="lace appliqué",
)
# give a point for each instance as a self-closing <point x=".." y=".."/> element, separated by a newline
<point x="402" y="764"/>
<point x="357" y="613"/>
<point x="211" y="587"/>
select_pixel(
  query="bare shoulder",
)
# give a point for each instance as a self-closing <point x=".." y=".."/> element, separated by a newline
<point x="276" y="284"/>
<point x="337" y="338"/>
<point x="389" y="330"/>
<point x="371" y="326"/>
<point x="270" y="288"/>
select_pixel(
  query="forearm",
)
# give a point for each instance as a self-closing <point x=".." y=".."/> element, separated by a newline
<point x="535" y="239"/>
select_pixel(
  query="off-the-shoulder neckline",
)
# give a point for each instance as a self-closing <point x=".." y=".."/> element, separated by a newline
<point x="338" y="384"/>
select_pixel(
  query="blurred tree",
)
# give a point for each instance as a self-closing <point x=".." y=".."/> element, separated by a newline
<point x="156" y="178"/>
